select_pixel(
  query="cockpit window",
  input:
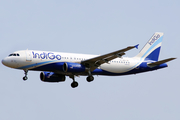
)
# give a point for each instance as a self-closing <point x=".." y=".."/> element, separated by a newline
<point x="14" y="54"/>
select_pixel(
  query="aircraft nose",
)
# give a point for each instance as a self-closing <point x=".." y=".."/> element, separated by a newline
<point x="9" y="62"/>
<point x="4" y="61"/>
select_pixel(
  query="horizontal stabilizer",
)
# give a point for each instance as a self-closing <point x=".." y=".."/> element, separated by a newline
<point x="160" y="62"/>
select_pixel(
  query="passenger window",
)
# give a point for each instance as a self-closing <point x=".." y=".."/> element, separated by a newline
<point x="18" y="55"/>
<point x="14" y="54"/>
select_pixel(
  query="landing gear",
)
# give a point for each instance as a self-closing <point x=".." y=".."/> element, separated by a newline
<point x="90" y="78"/>
<point x="74" y="84"/>
<point x="25" y="77"/>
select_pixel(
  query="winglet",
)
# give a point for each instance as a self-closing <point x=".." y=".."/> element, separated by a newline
<point x="136" y="46"/>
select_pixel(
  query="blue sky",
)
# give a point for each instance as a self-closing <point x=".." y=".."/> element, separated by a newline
<point x="90" y="27"/>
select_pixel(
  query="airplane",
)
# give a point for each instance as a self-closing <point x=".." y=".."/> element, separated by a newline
<point x="55" y="66"/>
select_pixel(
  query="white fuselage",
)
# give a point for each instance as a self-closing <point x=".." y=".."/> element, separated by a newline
<point x="29" y="59"/>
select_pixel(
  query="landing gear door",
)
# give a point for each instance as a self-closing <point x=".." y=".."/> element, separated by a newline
<point x="28" y="56"/>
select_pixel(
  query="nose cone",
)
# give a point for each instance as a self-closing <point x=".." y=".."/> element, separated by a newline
<point x="9" y="62"/>
<point x="4" y="62"/>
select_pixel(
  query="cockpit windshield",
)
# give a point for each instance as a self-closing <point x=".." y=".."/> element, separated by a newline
<point x="14" y="54"/>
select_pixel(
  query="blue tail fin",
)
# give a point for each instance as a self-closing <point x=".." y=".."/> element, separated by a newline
<point x="152" y="48"/>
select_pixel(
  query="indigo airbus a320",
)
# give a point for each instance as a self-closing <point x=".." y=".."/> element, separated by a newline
<point x="57" y="65"/>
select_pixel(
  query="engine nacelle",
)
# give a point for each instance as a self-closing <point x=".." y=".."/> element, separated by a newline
<point x="51" y="77"/>
<point x="73" y="67"/>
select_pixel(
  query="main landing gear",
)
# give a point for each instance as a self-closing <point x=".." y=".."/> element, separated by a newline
<point x="25" y="77"/>
<point x="74" y="84"/>
<point x="90" y="78"/>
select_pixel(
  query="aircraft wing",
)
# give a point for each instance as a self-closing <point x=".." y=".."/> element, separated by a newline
<point x="95" y="62"/>
<point x="160" y="62"/>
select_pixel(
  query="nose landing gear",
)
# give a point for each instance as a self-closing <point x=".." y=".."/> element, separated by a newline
<point x="25" y="77"/>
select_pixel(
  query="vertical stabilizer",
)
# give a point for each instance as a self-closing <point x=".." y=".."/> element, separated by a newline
<point x="152" y="48"/>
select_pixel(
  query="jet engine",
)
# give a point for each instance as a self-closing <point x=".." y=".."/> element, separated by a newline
<point x="51" y="77"/>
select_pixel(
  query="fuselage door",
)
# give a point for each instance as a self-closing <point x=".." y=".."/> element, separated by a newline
<point x="28" y="56"/>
